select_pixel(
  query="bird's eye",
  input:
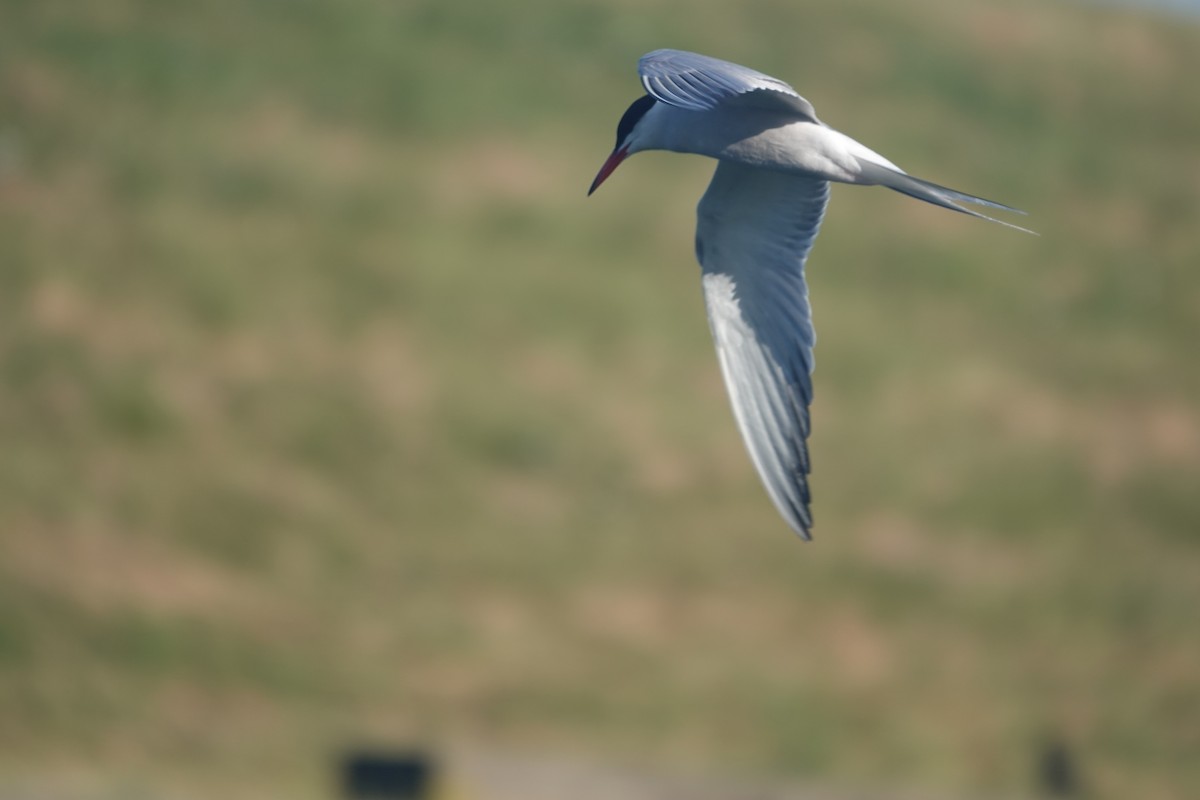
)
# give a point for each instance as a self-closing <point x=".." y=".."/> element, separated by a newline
<point x="632" y="116"/>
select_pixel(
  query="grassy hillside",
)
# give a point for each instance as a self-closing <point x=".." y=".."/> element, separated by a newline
<point x="333" y="411"/>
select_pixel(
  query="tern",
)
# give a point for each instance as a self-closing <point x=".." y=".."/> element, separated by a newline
<point x="755" y="226"/>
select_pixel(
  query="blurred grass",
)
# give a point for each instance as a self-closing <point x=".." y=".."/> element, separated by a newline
<point x="332" y="410"/>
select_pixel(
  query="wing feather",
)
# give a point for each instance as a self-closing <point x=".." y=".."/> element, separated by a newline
<point x="701" y="83"/>
<point x="754" y="232"/>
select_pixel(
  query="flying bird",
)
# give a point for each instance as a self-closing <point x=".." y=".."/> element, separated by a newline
<point x="755" y="226"/>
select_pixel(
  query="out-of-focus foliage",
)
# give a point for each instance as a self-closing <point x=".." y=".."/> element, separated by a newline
<point x="332" y="410"/>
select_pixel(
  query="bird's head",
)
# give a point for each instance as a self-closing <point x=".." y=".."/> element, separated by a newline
<point x="628" y="138"/>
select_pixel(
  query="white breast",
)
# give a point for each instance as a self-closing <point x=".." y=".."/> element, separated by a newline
<point x="758" y="138"/>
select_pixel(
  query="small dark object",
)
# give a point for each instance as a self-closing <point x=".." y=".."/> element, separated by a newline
<point x="387" y="776"/>
<point x="1056" y="771"/>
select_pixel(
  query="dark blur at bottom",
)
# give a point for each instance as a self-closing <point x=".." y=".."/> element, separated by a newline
<point x="387" y="775"/>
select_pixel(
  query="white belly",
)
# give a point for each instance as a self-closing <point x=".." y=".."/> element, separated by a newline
<point x="766" y="140"/>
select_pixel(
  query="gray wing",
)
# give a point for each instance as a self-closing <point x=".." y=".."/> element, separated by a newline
<point x="755" y="229"/>
<point x="701" y="83"/>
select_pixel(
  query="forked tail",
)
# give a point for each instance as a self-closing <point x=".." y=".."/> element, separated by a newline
<point x="873" y="173"/>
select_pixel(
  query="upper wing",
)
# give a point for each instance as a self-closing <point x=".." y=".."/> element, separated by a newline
<point x="754" y="232"/>
<point x="700" y="83"/>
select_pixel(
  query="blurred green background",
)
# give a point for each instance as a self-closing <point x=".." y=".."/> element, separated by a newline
<point x="332" y="410"/>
